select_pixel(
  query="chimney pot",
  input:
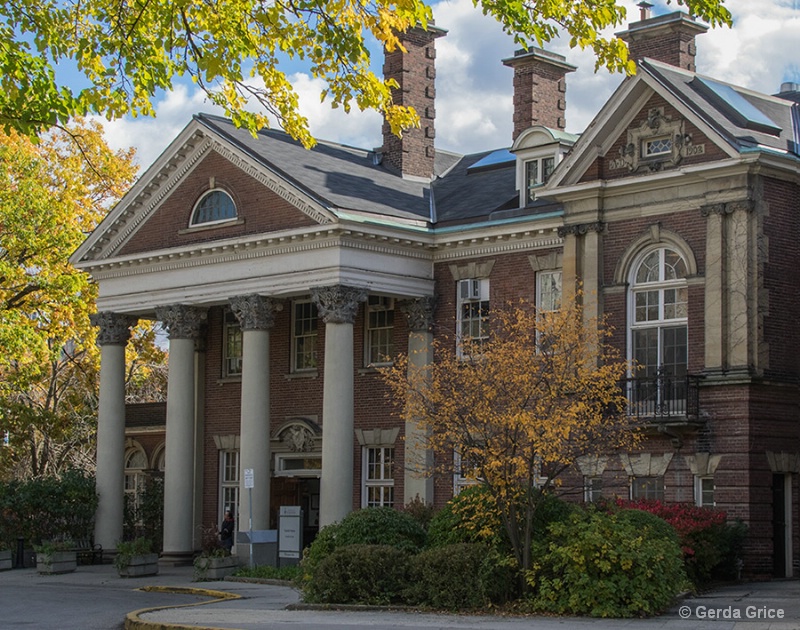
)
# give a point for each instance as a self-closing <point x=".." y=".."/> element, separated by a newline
<point x="644" y="10"/>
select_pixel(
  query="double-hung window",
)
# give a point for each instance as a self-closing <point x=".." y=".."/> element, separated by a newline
<point x="304" y="336"/>
<point x="704" y="491"/>
<point x="380" y="330"/>
<point x="378" y="476"/>
<point x="648" y="488"/>
<point x="473" y="313"/>
<point x="232" y="344"/>
<point x="229" y="482"/>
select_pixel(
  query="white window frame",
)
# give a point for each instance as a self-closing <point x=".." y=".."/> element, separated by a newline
<point x="481" y="300"/>
<point x="383" y="482"/>
<point x="307" y="335"/>
<point x="229" y="476"/>
<point x="378" y="304"/>
<point x="281" y="469"/>
<point x="592" y="489"/>
<point x="658" y="491"/>
<point x="647" y="143"/>
<point x="539" y="178"/>
<point x="231" y="364"/>
<point x="699" y="490"/>
<point x="659" y="287"/>
<point x="193" y="222"/>
<point x="134" y="479"/>
<point x="544" y="301"/>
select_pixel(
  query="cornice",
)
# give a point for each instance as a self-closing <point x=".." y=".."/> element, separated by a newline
<point x="214" y="253"/>
<point x="476" y="246"/>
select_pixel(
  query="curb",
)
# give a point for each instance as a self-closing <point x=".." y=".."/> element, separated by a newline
<point x="133" y="622"/>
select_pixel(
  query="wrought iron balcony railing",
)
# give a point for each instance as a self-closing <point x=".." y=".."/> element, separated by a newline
<point x="664" y="397"/>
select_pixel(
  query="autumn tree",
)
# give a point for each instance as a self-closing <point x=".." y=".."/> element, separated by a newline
<point x="235" y="50"/>
<point x="519" y="408"/>
<point x="51" y="195"/>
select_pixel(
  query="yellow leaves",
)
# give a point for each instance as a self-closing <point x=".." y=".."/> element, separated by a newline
<point x="544" y="391"/>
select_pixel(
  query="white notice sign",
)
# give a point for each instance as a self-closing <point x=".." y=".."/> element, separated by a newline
<point x="249" y="478"/>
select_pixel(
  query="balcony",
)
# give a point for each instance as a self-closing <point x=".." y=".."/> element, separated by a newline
<point x="664" y="400"/>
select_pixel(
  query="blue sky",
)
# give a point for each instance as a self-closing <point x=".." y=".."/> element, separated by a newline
<point x="473" y="89"/>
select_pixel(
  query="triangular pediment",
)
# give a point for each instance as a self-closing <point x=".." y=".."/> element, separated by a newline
<point x="155" y="215"/>
<point x="623" y="139"/>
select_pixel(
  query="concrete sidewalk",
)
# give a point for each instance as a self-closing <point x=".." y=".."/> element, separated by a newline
<point x="95" y="597"/>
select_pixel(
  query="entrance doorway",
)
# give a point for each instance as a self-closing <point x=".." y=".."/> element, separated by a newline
<point x="781" y="525"/>
<point x="302" y="491"/>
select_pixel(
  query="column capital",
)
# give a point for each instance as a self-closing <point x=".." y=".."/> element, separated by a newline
<point x="419" y="313"/>
<point x="114" y="328"/>
<point x="255" y="312"/>
<point x="181" y="321"/>
<point x="338" y="304"/>
<point x="579" y="229"/>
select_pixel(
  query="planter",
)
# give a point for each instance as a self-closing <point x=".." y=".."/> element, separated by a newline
<point x="5" y="560"/>
<point x="214" y="568"/>
<point x="56" y="562"/>
<point x="139" y="566"/>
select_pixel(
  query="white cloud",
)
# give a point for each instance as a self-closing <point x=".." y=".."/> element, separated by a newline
<point x="474" y="89"/>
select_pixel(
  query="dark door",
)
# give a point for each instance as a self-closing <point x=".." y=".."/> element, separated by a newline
<point x="779" y="525"/>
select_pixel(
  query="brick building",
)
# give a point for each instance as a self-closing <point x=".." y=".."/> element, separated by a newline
<point x="284" y="276"/>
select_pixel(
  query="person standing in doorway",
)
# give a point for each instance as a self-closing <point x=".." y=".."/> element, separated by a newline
<point x="226" y="531"/>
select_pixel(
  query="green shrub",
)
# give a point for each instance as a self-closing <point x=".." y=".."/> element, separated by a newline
<point x="359" y="574"/>
<point x="127" y="549"/>
<point x="711" y="546"/>
<point x="268" y="572"/>
<point x="460" y="576"/>
<point x="650" y="523"/>
<point x="48" y="508"/>
<point x="370" y="526"/>
<point x="605" y="566"/>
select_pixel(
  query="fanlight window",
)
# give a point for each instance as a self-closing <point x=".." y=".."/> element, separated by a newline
<point x="213" y="207"/>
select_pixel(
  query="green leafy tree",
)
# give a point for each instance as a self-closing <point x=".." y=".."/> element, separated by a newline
<point x="51" y="194"/>
<point x="234" y="51"/>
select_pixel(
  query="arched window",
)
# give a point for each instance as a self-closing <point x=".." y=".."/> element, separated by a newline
<point x="135" y="465"/>
<point x="659" y="314"/>
<point x="213" y="207"/>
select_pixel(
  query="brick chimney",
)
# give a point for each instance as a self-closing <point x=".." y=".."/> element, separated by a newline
<point x="415" y="71"/>
<point x="540" y="89"/>
<point x="667" y="38"/>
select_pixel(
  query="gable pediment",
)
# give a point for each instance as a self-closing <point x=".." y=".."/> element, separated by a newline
<point x="156" y="212"/>
<point x="641" y="129"/>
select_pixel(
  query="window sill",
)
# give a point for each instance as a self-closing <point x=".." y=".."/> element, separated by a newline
<point x="229" y="379"/>
<point x="305" y="374"/>
<point x="211" y="226"/>
<point x="374" y="369"/>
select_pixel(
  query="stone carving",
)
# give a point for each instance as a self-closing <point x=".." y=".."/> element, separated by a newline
<point x="255" y="312"/>
<point x="114" y="328"/>
<point x="419" y="313"/>
<point x="298" y="439"/>
<point x="722" y="209"/>
<point x="338" y="304"/>
<point x="182" y="322"/>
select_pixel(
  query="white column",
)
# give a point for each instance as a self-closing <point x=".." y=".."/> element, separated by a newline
<point x="337" y="306"/>
<point x="418" y="469"/>
<point x="183" y="324"/>
<point x="112" y="337"/>
<point x="256" y="316"/>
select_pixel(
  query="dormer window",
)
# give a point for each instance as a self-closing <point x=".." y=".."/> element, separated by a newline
<point x="537" y="172"/>
<point x="215" y="206"/>
<point x="538" y="151"/>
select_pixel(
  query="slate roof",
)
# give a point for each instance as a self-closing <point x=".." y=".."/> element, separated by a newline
<point x="348" y="178"/>
<point x="725" y="117"/>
